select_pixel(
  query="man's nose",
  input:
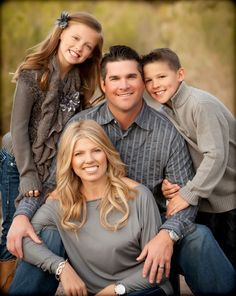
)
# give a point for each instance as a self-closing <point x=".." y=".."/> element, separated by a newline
<point x="124" y="84"/>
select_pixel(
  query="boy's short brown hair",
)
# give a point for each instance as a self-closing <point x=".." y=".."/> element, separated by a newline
<point x="162" y="55"/>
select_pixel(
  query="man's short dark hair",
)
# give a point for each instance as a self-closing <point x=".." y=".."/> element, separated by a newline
<point x="120" y="53"/>
<point x="162" y="55"/>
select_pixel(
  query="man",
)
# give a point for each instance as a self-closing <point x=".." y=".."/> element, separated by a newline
<point x="153" y="150"/>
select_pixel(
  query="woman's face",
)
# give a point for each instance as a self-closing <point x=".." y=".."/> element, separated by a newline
<point x="89" y="161"/>
<point x="77" y="43"/>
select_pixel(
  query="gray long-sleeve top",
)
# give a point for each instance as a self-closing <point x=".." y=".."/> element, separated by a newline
<point x="99" y="256"/>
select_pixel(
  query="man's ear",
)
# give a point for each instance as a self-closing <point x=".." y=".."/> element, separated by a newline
<point x="102" y="84"/>
<point x="181" y="74"/>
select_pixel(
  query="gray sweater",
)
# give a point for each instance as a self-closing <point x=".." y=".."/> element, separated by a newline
<point x="99" y="256"/>
<point x="209" y="128"/>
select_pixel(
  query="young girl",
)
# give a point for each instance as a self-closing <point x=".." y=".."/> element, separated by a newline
<point x="53" y="83"/>
<point x="104" y="220"/>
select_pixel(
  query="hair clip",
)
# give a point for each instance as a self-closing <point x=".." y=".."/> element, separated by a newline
<point x="62" y="21"/>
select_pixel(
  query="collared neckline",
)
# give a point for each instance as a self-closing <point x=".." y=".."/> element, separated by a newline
<point x="179" y="98"/>
<point x="142" y="120"/>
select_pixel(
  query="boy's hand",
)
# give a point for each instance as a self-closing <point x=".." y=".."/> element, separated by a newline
<point x="168" y="189"/>
<point x="176" y="204"/>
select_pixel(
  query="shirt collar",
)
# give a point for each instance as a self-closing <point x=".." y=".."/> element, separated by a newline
<point x="142" y="120"/>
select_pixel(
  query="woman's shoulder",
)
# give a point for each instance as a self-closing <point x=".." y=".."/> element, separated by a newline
<point x="131" y="183"/>
<point x="52" y="196"/>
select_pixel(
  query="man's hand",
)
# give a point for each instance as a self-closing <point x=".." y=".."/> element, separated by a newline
<point x="176" y="204"/>
<point x="72" y="283"/>
<point x="20" y="228"/>
<point x="168" y="189"/>
<point x="158" y="253"/>
<point x="107" y="291"/>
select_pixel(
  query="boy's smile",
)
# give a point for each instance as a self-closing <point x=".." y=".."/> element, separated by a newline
<point x="161" y="81"/>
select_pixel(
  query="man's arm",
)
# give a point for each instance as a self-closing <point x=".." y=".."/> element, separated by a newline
<point x="180" y="170"/>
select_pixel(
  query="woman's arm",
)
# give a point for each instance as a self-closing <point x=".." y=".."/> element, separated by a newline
<point x="41" y="256"/>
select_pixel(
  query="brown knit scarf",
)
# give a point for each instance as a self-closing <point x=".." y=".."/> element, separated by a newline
<point x="60" y="104"/>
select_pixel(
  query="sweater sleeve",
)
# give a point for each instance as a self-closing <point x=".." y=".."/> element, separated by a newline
<point x="212" y="132"/>
<point x="39" y="254"/>
<point x="21" y="113"/>
<point x="150" y="221"/>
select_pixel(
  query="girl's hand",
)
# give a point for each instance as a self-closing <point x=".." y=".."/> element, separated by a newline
<point x="107" y="291"/>
<point x="168" y="189"/>
<point x="72" y="283"/>
<point x="32" y="193"/>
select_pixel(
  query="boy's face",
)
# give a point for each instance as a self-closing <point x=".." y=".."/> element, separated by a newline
<point x="161" y="81"/>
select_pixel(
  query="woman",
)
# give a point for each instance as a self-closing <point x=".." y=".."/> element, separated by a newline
<point x="104" y="219"/>
<point x="53" y="83"/>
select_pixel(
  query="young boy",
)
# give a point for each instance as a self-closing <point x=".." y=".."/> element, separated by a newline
<point x="209" y="129"/>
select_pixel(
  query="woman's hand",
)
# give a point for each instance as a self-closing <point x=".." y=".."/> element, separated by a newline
<point x="72" y="283"/>
<point x="107" y="291"/>
<point x="32" y="193"/>
<point x="168" y="189"/>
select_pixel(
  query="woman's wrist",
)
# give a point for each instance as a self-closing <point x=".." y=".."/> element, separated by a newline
<point x="59" y="269"/>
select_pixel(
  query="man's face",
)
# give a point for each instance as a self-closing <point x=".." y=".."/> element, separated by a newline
<point x="161" y="81"/>
<point x="123" y="86"/>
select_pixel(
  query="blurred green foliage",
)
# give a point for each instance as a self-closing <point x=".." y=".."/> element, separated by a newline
<point x="201" y="32"/>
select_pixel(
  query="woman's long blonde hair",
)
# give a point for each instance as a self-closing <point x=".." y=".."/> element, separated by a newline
<point x="88" y="70"/>
<point x="72" y="201"/>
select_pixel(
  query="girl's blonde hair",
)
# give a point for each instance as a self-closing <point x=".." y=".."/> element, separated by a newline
<point x="72" y="201"/>
<point x="88" y="70"/>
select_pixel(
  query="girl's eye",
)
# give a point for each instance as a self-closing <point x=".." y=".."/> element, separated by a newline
<point x="75" y="38"/>
<point x="147" y="81"/>
<point x="89" y="47"/>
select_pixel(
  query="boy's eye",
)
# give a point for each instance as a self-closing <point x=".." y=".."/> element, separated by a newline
<point x="147" y="81"/>
<point x="162" y="76"/>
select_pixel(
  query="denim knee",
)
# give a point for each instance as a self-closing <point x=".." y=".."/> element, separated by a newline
<point x="9" y="183"/>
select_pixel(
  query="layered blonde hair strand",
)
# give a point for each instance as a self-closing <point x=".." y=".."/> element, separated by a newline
<point x="72" y="201"/>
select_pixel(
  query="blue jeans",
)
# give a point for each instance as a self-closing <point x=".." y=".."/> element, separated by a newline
<point x="148" y="292"/>
<point x="9" y="183"/>
<point x="198" y="257"/>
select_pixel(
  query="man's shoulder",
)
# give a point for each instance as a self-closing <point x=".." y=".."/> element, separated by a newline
<point x="91" y="113"/>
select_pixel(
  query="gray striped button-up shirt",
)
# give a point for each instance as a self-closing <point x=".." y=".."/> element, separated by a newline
<point x="153" y="150"/>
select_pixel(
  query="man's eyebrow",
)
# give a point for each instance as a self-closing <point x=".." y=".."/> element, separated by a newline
<point x="113" y="76"/>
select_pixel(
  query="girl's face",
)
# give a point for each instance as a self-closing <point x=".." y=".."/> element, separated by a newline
<point x="89" y="161"/>
<point x="77" y="43"/>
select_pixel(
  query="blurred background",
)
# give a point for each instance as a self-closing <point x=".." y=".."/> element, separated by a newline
<point x="201" y="32"/>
